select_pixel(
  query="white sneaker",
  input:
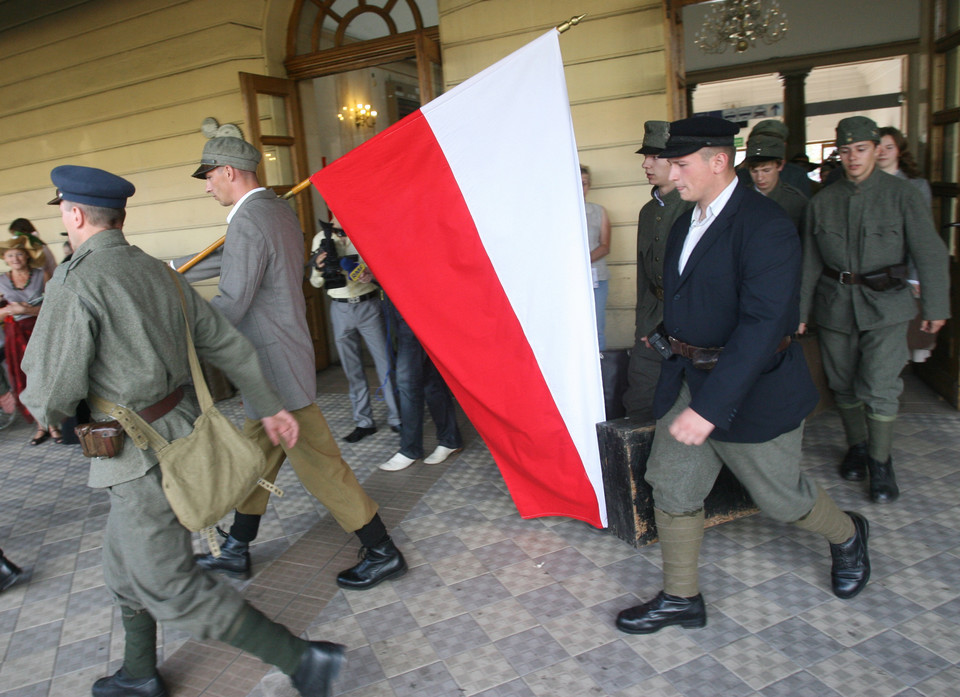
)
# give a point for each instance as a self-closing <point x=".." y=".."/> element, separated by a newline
<point x="440" y="454"/>
<point x="397" y="462"/>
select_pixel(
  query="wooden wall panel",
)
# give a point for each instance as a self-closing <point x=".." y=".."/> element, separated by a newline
<point x="615" y="64"/>
<point x="122" y="85"/>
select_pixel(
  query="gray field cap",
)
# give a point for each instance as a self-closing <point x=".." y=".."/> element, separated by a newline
<point x="764" y="147"/>
<point x="855" y="129"/>
<point x="655" y="135"/>
<point x="227" y="150"/>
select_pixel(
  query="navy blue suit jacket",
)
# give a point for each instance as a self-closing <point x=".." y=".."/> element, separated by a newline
<point x="740" y="289"/>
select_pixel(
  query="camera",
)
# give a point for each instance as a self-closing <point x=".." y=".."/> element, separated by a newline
<point x="332" y="275"/>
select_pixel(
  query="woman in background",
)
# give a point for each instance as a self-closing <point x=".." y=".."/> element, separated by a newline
<point x="22" y="289"/>
<point x="21" y="227"/>
<point x="894" y="157"/>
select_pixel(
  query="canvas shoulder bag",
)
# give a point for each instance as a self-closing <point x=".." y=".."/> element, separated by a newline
<point x="207" y="473"/>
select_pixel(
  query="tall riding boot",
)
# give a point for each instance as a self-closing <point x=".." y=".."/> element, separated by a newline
<point x="311" y="665"/>
<point x="883" y="483"/>
<point x="138" y="677"/>
<point x="854" y="418"/>
<point x="680" y="601"/>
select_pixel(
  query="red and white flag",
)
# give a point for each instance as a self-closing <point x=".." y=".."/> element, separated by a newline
<point x="470" y="213"/>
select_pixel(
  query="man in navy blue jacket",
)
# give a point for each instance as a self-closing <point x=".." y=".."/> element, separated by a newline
<point x="735" y="390"/>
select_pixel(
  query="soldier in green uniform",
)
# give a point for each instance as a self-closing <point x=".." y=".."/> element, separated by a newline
<point x="653" y="228"/>
<point x="765" y="162"/>
<point x="859" y="235"/>
<point x="112" y="325"/>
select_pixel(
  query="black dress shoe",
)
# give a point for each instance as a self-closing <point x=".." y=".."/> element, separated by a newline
<point x="376" y="564"/>
<point x="854" y="465"/>
<point x="9" y="572"/>
<point x="359" y="433"/>
<point x="395" y="428"/>
<point x="318" y="668"/>
<point x="661" y="612"/>
<point x="119" y="685"/>
<point x="851" y="561"/>
<point x="234" y="559"/>
<point x="883" y="483"/>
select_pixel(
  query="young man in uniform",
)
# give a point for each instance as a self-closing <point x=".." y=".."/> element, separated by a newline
<point x="765" y="161"/>
<point x="860" y="234"/>
<point x="656" y="218"/>
<point x="113" y="325"/>
<point x="735" y="389"/>
<point x="260" y="292"/>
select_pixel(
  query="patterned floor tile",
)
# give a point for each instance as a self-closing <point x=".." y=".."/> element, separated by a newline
<point x="942" y="684"/>
<point x="429" y="608"/>
<point x="706" y="677"/>
<point x="802" y="643"/>
<point x="854" y="676"/>
<point x="615" y="666"/>
<point x="565" y="679"/>
<point x="549" y="602"/>
<point x="752" y="660"/>
<point x="429" y="681"/>
<point x="480" y="669"/>
<point x="934" y="633"/>
<point x="504" y="618"/>
<point x="523" y="577"/>
<point x="842" y="623"/>
<point x="579" y="631"/>
<point x="752" y="609"/>
<point x="800" y="684"/>
<point x="404" y="652"/>
<point x="531" y="650"/>
<point x="904" y="659"/>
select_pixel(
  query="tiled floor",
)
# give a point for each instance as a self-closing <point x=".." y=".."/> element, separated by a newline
<point x="501" y="607"/>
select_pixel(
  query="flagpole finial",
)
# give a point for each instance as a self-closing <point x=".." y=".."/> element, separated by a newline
<point x="572" y="22"/>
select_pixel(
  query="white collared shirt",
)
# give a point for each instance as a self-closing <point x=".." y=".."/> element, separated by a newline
<point x="236" y="206"/>
<point x="698" y="228"/>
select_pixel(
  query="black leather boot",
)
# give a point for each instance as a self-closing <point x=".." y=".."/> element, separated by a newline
<point x="661" y="612"/>
<point x="119" y="685"/>
<point x="883" y="484"/>
<point x="234" y="559"/>
<point x="854" y="465"/>
<point x="377" y="564"/>
<point x="318" y="668"/>
<point x="851" y="560"/>
<point x="9" y="572"/>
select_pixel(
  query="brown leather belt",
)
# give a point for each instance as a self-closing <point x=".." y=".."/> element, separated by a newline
<point x="656" y="290"/>
<point x="706" y="358"/>
<point x="155" y="411"/>
<point x="896" y="272"/>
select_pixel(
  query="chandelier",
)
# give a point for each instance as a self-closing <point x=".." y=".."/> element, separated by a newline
<point x="362" y="115"/>
<point x="740" y="23"/>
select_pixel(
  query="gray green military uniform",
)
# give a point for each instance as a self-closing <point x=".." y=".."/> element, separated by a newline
<point x="762" y="147"/>
<point x="653" y="227"/>
<point x="112" y="325"/>
<point x="862" y="228"/>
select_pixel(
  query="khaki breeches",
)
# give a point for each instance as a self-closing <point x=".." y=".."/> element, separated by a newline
<point x="319" y="466"/>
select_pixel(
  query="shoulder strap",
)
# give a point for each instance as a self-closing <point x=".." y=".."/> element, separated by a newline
<point x="143" y="434"/>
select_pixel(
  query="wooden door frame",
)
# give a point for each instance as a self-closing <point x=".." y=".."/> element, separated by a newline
<point x="250" y="86"/>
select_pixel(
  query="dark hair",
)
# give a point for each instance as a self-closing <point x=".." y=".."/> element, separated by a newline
<point x="905" y="160"/>
<point x="22" y="225"/>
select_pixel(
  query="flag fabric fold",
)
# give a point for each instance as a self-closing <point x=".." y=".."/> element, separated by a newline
<point x="470" y="214"/>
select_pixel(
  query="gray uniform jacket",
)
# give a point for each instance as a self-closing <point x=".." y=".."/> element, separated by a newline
<point x="792" y="201"/>
<point x="863" y="228"/>
<point x="112" y="325"/>
<point x="261" y="293"/>
<point x="653" y="228"/>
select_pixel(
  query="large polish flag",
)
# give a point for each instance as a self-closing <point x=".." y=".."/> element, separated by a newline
<point x="470" y="213"/>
